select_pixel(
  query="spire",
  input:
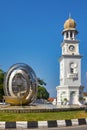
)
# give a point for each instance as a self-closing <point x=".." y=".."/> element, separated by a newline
<point x="69" y="15"/>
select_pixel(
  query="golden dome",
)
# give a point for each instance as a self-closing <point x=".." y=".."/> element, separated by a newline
<point x="70" y="23"/>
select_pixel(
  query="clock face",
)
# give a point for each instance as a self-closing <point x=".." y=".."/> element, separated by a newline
<point x="73" y="65"/>
<point x="71" y="48"/>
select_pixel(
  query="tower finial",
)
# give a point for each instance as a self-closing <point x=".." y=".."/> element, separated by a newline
<point x="69" y="15"/>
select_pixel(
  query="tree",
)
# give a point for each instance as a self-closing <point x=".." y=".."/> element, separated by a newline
<point x="65" y="101"/>
<point x="42" y="92"/>
<point x="82" y="99"/>
<point x="41" y="82"/>
<point x="1" y="84"/>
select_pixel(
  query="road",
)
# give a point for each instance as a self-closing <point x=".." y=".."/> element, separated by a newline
<point x="83" y="127"/>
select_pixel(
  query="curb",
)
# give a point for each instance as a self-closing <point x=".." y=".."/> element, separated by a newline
<point x="43" y="124"/>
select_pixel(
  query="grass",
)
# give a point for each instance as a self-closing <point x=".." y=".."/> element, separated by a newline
<point x="42" y="116"/>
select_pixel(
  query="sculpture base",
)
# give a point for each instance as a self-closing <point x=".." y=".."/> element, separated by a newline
<point x="37" y="108"/>
<point x="16" y="100"/>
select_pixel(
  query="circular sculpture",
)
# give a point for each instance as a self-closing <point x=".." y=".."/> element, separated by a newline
<point x="20" y="85"/>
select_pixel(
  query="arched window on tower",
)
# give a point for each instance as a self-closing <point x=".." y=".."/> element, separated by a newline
<point x="66" y="34"/>
<point x="70" y="34"/>
<point x="72" y="67"/>
<point x="71" y="70"/>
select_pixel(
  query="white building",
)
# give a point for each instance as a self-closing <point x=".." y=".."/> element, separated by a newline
<point x="70" y="88"/>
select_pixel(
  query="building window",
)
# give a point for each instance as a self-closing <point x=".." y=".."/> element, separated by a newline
<point x="70" y="34"/>
<point x="71" y="67"/>
<point x="66" y="34"/>
<point x="71" y="70"/>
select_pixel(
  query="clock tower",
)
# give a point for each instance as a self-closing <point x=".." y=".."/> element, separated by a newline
<point x="70" y="89"/>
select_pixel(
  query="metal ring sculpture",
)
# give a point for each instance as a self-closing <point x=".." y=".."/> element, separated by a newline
<point x="20" y="85"/>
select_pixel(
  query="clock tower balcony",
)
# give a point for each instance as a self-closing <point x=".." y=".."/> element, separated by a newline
<point x="72" y="75"/>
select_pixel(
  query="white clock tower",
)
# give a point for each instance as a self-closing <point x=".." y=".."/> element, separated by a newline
<point x="70" y="88"/>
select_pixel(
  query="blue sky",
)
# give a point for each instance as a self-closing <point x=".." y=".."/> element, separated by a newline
<point x="30" y="32"/>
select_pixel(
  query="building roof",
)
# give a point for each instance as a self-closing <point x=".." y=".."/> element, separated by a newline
<point x="69" y="23"/>
<point x="84" y="93"/>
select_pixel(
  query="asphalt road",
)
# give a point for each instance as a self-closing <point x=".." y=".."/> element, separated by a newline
<point x="83" y="127"/>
